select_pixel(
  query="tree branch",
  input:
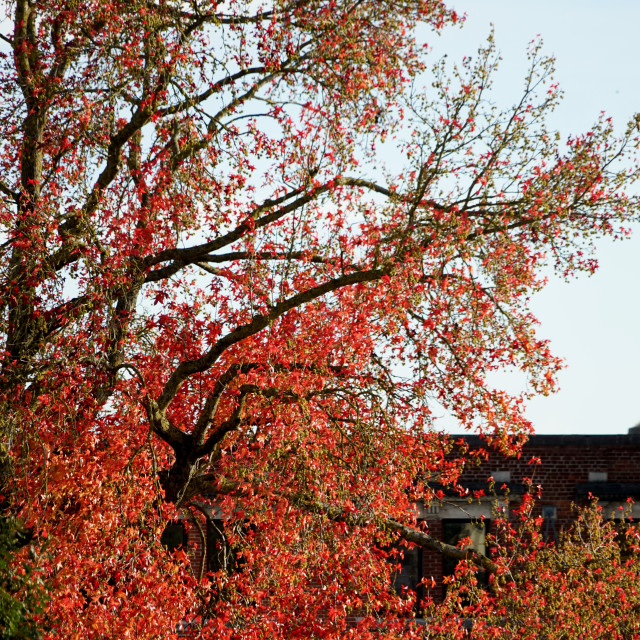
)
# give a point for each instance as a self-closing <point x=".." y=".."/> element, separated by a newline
<point x="259" y="322"/>
<point x="410" y="534"/>
<point x="353" y="518"/>
<point x="183" y="257"/>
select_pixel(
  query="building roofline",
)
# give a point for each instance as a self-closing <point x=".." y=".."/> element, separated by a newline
<point x="563" y="439"/>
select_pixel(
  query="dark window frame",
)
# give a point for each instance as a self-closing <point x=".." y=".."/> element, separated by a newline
<point x="166" y="536"/>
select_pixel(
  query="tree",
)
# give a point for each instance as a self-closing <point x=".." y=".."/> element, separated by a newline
<point x="214" y="293"/>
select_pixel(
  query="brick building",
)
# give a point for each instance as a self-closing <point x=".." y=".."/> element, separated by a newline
<point x="571" y="468"/>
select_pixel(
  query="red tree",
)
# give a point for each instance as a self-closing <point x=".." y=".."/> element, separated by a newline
<point x="215" y="293"/>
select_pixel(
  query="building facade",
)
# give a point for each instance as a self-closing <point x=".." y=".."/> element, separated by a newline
<point x="568" y="469"/>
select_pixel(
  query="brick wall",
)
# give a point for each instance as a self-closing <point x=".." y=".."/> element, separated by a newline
<point x="570" y="467"/>
<point x="195" y="546"/>
<point x="432" y="565"/>
<point x="566" y="462"/>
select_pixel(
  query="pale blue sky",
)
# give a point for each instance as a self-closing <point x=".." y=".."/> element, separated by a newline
<point x="593" y="323"/>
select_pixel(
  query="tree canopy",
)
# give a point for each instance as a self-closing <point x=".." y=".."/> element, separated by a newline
<point x="247" y="260"/>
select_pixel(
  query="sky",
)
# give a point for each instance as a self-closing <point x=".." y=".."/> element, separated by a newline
<point x="592" y="322"/>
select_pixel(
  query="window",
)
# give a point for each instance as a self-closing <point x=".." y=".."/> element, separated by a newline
<point x="408" y="576"/>
<point x="174" y="536"/>
<point x="549" y="517"/>
<point x="455" y="531"/>
<point x="410" y="573"/>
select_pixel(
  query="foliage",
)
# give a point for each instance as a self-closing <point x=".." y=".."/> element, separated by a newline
<point x="215" y="294"/>
<point x="22" y="595"/>
<point x="584" y="587"/>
